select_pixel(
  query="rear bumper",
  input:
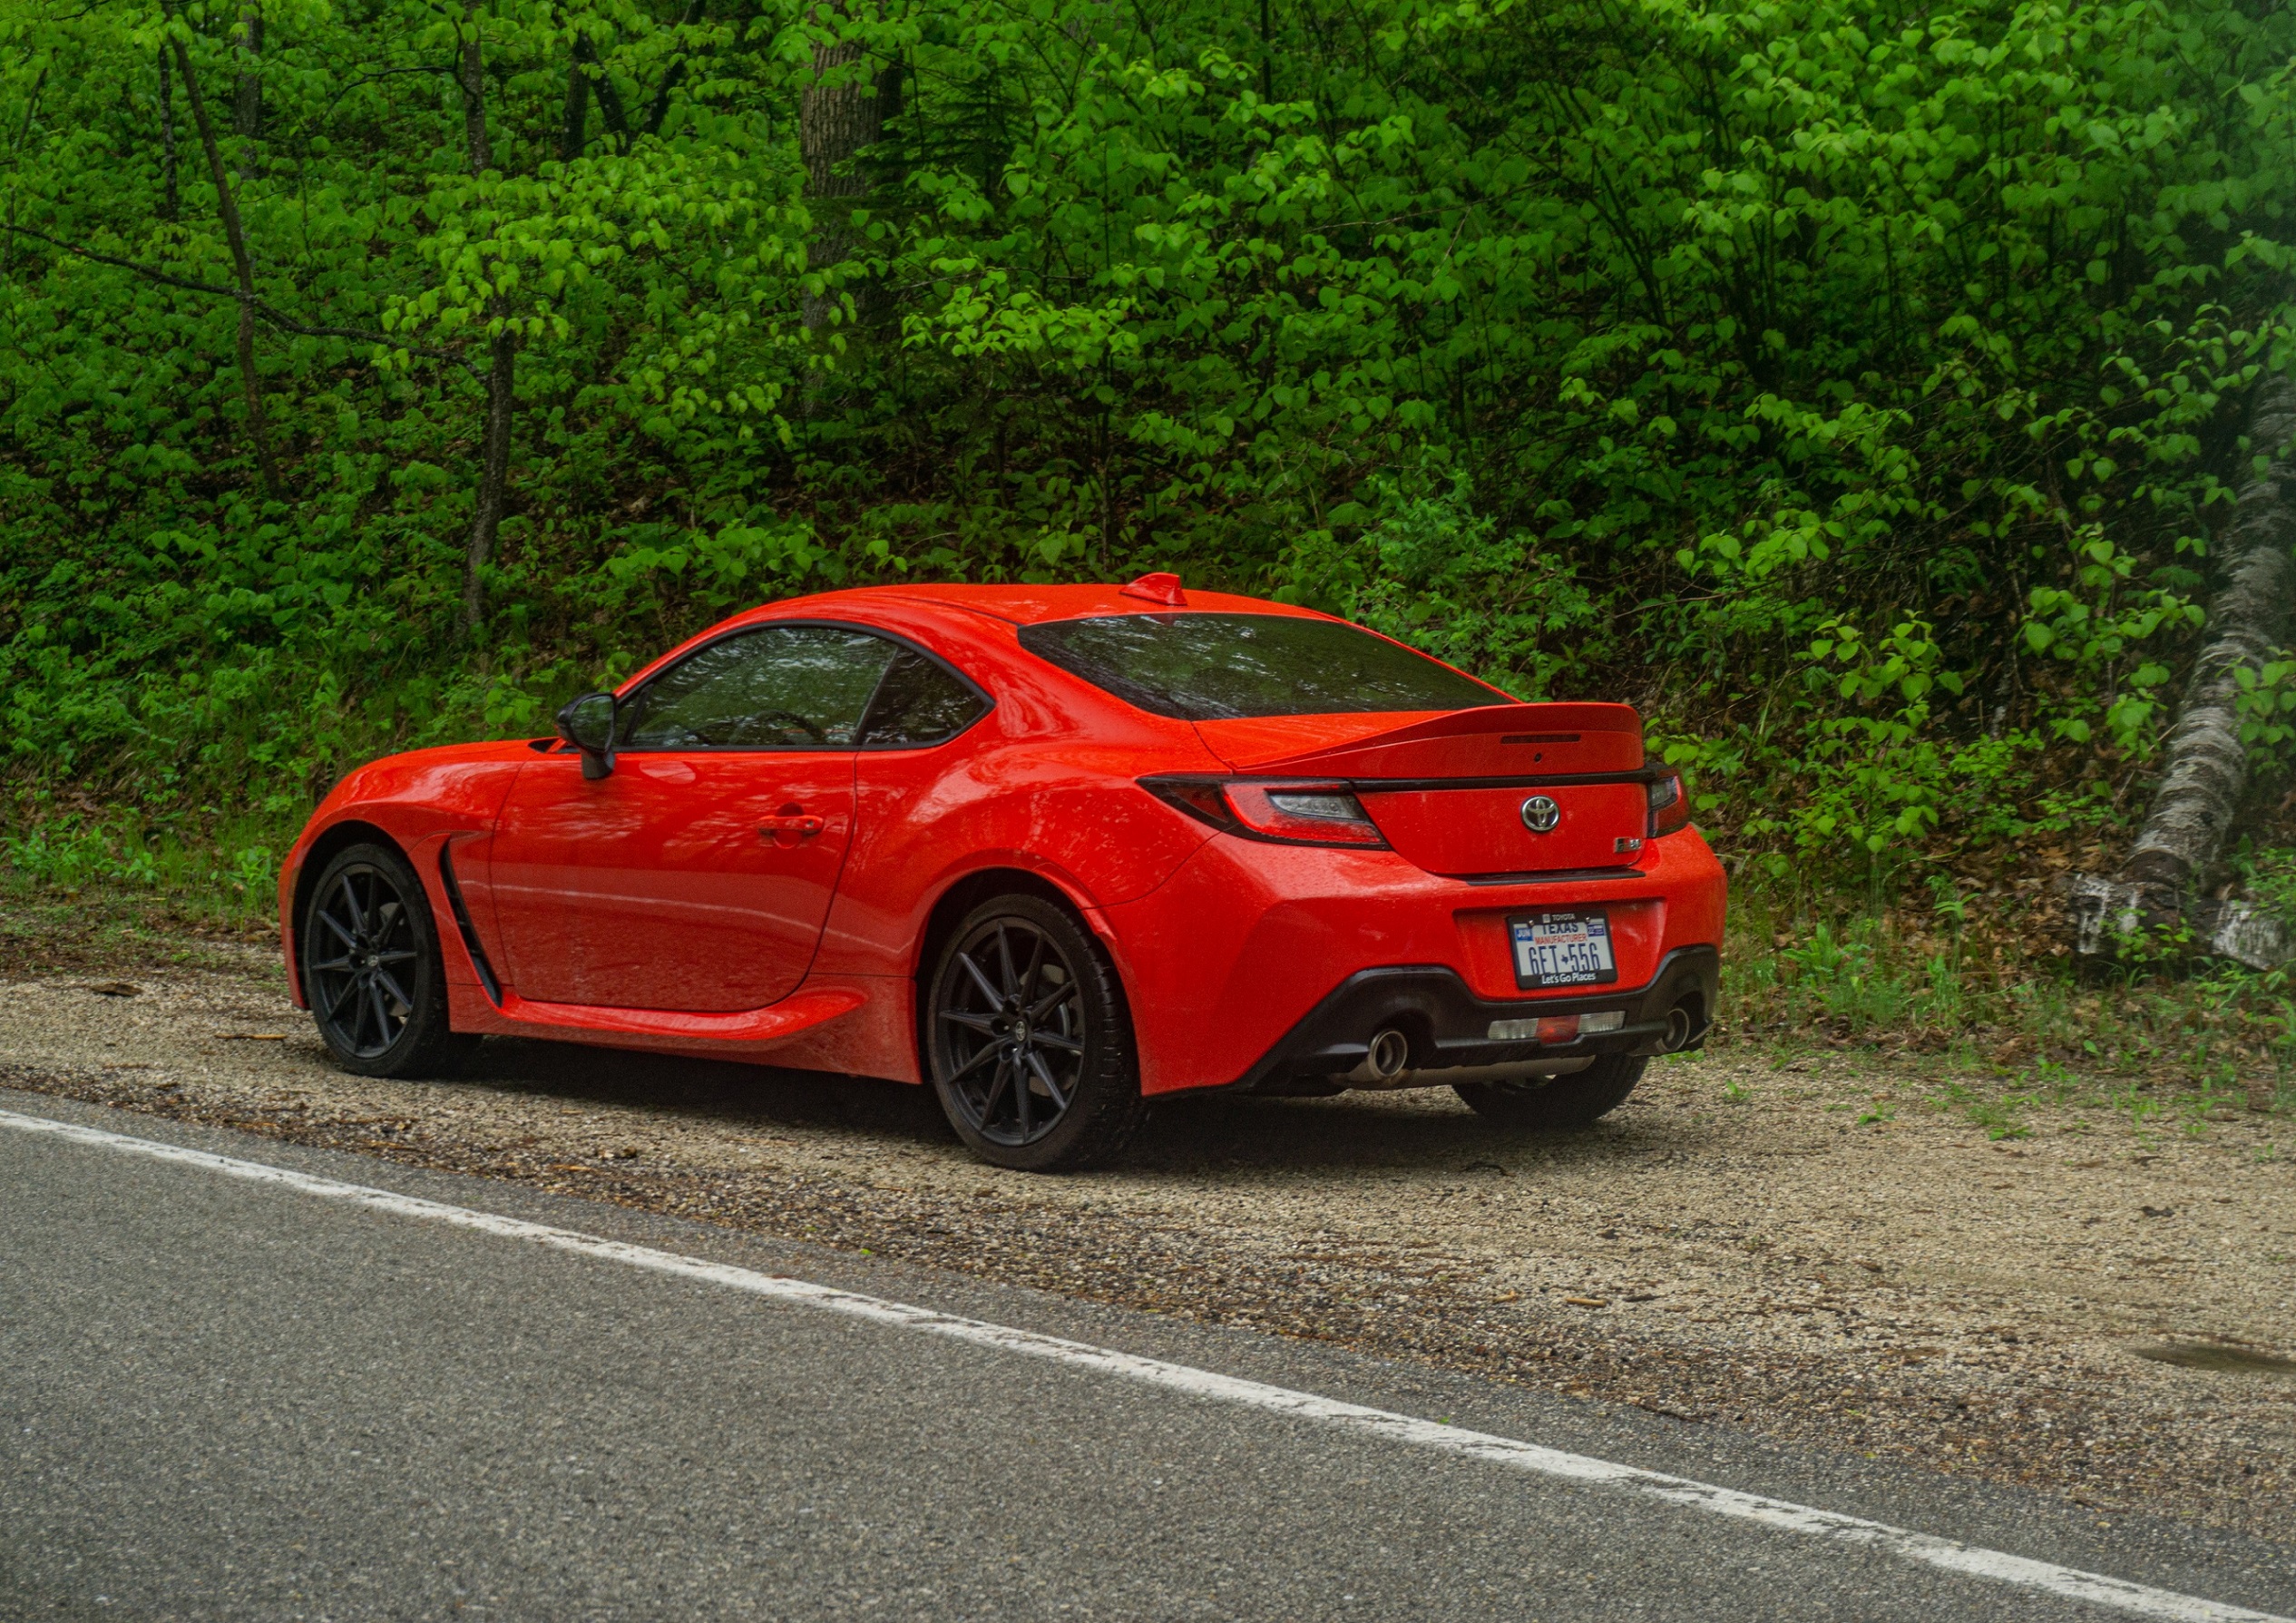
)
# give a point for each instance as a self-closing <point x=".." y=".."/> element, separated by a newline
<point x="1248" y="943"/>
<point x="1449" y="1027"/>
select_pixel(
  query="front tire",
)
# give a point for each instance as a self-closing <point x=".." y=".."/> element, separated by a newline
<point x="1028" y="1041"/>
<point x="1554" y="1103"/>
<point x="372" y="969"/>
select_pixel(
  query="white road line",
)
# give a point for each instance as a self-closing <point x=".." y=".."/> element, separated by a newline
<point x="1967" y="1560"/>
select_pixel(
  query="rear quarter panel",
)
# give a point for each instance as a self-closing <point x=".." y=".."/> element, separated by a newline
<point x="1043" y="784"/>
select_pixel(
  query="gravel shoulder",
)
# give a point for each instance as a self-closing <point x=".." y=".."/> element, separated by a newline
<point x="1742" y="1243"/>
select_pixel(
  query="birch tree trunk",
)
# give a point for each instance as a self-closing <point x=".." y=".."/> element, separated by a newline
<point x="2206" y="771"/>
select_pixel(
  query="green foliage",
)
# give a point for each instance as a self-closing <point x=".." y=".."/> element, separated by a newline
<point x="1853" y="386"/>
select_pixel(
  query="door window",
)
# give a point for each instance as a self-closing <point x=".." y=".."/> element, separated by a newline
<point x="919" y="703"/>
<point x="797" y="687"/>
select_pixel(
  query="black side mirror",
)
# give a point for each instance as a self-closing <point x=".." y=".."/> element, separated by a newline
<point x="588" y="724"/>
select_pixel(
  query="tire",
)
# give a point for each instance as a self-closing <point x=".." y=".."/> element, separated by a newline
<point x="1558" y="1102"/>
<point x="1028" y="1041"/>
<point x="372" y="969"/>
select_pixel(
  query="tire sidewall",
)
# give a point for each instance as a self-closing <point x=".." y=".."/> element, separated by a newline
<point x="1108" y="1099"/>
<point x="426" y="1026"/>
<point x="1577" y="1100"/>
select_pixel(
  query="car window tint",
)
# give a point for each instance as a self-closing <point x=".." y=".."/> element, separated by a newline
<point x="775" y="688"/>
<point x="1211" y="667"/>
<point x="919" y="703"/>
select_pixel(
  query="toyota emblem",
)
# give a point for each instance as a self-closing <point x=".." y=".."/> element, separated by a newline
<point x="1540" y="815"/>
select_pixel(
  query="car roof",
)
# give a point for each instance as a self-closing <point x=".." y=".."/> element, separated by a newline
<point x="1028" y="605"/>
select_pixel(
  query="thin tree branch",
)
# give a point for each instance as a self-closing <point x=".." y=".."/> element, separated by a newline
<point x="264" y="311"/>
<point x="250" y="387"/>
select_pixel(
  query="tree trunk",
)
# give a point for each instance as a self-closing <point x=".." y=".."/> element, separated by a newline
<point x="502" y="372"/>
<point x="657" y="110"/>
<point x="836" y="123"/>
<point x="477" y="150"/>
<point x="171" y="200"/>
<point x="573" y="130"/>
<point x="2206" y="771"/>
<point x="250" y="387"/>
<point x="600" y="83"/>
<point x="247" y="95"/>
<point x="492" y="480"/>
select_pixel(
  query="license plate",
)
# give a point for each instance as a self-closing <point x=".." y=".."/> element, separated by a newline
<point x="1562" y="947"/>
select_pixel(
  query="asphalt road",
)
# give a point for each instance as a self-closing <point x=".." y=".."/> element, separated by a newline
<point x="226" y="1400"/>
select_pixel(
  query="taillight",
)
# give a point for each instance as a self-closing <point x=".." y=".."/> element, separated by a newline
<point x="1293" y="814"/>
<point x="1669" y="807"/>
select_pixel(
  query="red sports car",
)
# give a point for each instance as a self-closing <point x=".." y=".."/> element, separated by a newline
<point x="1056" y="850"/>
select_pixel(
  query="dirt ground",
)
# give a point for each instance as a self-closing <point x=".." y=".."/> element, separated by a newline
<point x="2106" y="1308"/>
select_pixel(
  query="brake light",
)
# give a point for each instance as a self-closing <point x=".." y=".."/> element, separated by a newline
<point x="1669" y="807"/>
<point x="1292" y="814"/>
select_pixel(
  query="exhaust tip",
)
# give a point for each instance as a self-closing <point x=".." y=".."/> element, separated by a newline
<point x="1388" y="1056"/>
<point x="1681" y="1026"/>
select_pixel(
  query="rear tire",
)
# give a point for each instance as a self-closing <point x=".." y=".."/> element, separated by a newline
<point x="372" y="969"/>
<point x="1558" y="1102"/>
<point x="1028" y="1041"/>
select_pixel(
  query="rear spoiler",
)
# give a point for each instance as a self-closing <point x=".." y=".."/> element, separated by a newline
<point x="1500" y="741"/>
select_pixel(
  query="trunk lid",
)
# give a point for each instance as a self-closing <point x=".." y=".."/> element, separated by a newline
<point x="1454" y="793"/>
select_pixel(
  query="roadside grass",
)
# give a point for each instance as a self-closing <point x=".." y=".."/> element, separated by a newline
<point x="1999" y="1022"/>
<point x="83" y="889"/>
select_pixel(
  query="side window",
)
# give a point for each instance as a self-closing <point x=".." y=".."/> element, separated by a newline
<point x="775" y="688"/>
<point x="919" y="703"/>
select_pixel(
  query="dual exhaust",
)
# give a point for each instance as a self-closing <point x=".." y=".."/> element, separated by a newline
<point x="1387" y="1057"/>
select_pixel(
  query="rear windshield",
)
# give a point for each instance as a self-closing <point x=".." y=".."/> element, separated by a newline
<point x="1211" y="667"/>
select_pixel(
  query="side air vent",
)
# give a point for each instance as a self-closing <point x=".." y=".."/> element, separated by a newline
<point x="463" y="923"/>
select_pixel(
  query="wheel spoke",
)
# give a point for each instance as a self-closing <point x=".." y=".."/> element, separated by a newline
<point x="1044" y="1075"/>
<point x="984" y="1023"/>
<point x="404" y="955"/>
<point x="1028" y="976"/>
<point x="359" y="914"/>
<point x="1022" y="1096"/>
<point x="1054" y="999"/>
<point x="334" y="965"/>
<point x="382" y="1014"/>
<point x="349" y="940"/>
<point x="973" y="1065"/>
<point x="342" y="993"/>
<point x="384" y="979"/>
<point x="1004" y="960"/>
<point x="1067" y="1045"/>
<point x="996" y="998"/>
<point x="996" y="1088"/>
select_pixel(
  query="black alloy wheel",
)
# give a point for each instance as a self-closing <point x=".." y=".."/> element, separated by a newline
<point x="1559" y="1102"/>
<point x="1027" y="1040"/>
<point x="372" y="970"/>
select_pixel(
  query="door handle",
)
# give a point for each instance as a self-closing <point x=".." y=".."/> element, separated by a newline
<point x="791" y="821"/>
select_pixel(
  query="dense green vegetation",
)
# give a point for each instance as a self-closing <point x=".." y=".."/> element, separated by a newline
<point x="1852" y="385"/>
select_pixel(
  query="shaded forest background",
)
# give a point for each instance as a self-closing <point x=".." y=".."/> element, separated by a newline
<point x="1854" y="386"/>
